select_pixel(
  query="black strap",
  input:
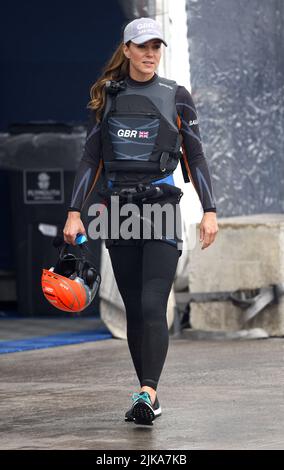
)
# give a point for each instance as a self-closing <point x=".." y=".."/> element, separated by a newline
<point x="133" y="193"/>
<point x="113" y="103"/>
<point x="164" y="160"/>
<point x="184" y="171"/>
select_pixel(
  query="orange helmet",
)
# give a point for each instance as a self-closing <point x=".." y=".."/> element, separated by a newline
<point x="72" y="284"/>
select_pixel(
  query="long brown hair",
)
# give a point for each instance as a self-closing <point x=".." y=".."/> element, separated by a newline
<point x="116" y="68"/>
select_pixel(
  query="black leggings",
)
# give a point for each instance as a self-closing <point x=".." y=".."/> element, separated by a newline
<point x="144" y="276"/>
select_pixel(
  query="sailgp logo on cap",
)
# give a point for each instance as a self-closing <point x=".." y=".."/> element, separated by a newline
<point x="146" y="25"/>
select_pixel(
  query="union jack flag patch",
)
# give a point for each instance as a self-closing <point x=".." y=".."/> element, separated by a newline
<point x="143" y="134"/>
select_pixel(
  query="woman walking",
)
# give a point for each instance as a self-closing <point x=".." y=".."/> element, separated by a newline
<point x="139" y="121"/>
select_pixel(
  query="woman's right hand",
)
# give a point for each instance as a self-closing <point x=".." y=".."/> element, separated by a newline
<point x="73" y="226"/>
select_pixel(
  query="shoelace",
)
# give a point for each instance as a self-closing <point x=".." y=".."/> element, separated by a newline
<point x="144" y="396"/>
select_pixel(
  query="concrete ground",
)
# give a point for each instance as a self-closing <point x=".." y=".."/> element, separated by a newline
<point x="26" y="328"/>
<point x="214" y="395"/>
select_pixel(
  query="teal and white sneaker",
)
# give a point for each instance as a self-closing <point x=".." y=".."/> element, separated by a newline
<point x="142" y="410"/>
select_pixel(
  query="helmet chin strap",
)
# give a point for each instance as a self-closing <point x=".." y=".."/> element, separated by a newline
<point x="81" y="262"/>
<point x="66" y="258"/>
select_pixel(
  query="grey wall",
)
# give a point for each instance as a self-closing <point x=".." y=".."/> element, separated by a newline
<point x="237" y="76"/>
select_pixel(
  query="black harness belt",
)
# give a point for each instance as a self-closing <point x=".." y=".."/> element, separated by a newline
<point x="141" y="192"/>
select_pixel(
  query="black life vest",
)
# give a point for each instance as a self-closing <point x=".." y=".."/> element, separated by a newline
<point x="140" y="137"/>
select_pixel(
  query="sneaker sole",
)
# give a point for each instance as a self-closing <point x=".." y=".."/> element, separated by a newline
<point x="131" y="420"/>
<point x="143" y="413"/>
<point x="157" y="412"/>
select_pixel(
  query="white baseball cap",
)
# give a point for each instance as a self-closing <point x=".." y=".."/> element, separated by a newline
<point x="142" y="30"/>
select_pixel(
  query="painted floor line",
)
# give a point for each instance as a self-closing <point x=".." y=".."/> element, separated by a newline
<point x="61" y="339"/>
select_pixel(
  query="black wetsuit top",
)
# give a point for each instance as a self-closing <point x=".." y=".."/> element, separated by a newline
<point x="194" y="164"/>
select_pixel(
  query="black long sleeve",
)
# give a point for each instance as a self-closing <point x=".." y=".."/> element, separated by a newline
<point x="193" y="162"/>
<point x="89" y="165"/>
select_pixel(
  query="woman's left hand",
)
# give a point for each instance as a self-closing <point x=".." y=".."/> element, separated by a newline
<point x="208" y="229"/>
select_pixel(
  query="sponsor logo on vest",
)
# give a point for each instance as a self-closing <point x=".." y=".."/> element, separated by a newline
<point x="167" y="86"/>
<point x="133" y="133"/>
<point x="193" y="123"/>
